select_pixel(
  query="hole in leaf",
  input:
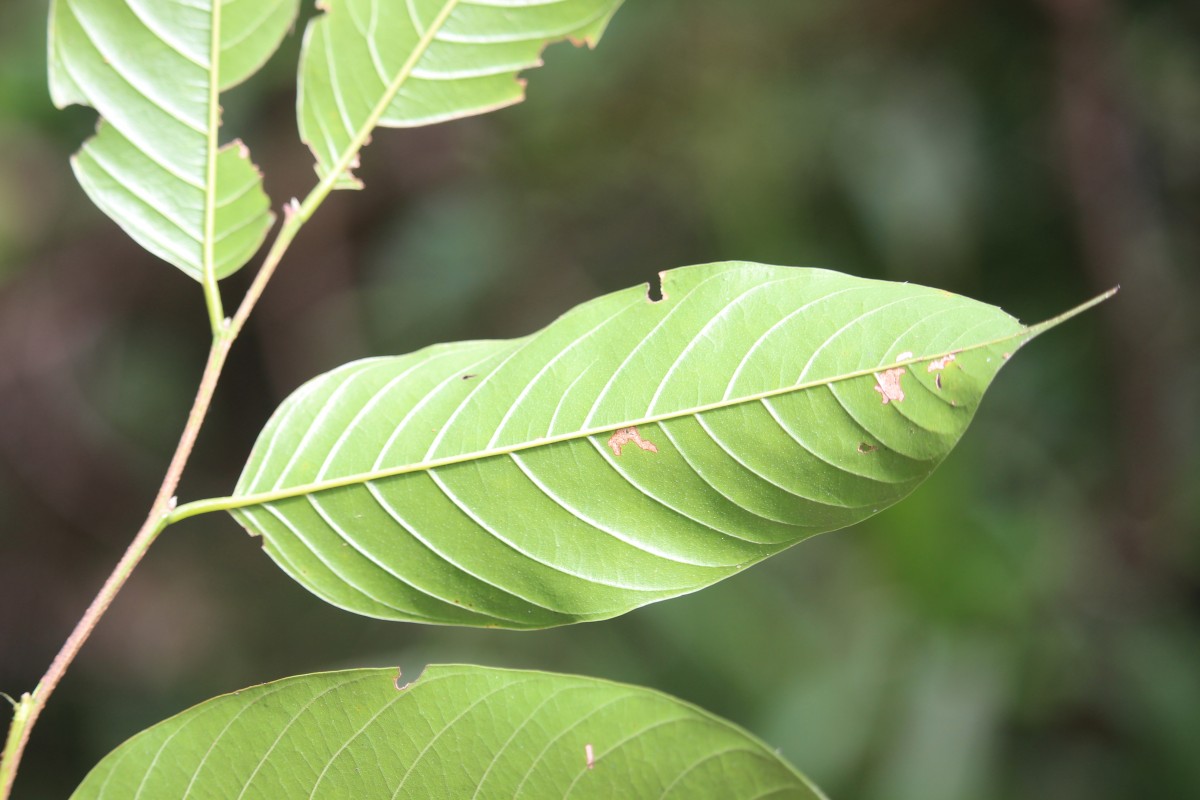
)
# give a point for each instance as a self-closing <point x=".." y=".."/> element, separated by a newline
<point x="654" y="289"/>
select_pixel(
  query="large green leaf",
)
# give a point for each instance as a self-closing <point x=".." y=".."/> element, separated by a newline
<point x="416" y="62"/>
<point x="455" y="733"/>
<point x="631" y="451"/>
<point x="154" y="71"/>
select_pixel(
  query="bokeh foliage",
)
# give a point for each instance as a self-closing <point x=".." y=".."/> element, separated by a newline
<point x="1026" y="624"/>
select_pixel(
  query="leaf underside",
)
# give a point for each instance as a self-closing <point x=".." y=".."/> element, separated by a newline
<point x="417" y="62"/>
<point x="629" y="452"/>
<point x="456" y="732"/>
<point x="147" y="67"/>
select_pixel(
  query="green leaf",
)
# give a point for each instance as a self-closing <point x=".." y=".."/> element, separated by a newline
<point x="154" y="71"/>
<point x="417" y="62"/>
<point x="456" y="732"/>
<point x="631" y="451"/>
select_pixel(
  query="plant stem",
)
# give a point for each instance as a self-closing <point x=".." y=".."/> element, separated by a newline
<point x="31" y="704"/>
<point x="225" y="332"/>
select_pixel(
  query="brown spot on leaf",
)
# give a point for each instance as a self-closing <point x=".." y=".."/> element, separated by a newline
<point x="888" y="385"/>
<point x="865" y="448"/>
<point x="470" y="375"/>
<point x="939" y="364"/>
<point x="626" y="436"/>
<point x="937" y="380"/>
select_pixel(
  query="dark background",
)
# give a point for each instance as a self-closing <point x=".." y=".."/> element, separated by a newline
<point x="1026" y="625"/>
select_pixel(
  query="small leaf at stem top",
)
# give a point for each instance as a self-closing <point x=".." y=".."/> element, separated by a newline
<point x="154" y="71"/>
<point x="416" y="62"/>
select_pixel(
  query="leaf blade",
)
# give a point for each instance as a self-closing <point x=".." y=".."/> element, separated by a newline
<point x="421" y="62"/>
<point x="457" y="731"/>
<point x="155" y="166"/>
<point x="629" y="452"/>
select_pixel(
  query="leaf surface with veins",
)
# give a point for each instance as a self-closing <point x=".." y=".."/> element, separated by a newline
<point x="629" y="452"/>
<point x="466" y="733"/>
<point x="405" y="63"/>
<point x="154" y="70"/>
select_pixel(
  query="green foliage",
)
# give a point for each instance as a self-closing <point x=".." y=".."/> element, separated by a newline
<point x="632" y="451"/>
<point x="629" y="452"/>
<point x="368" y="64"/>
<point x="455" y="732"/>
<point x="154" y="72"/>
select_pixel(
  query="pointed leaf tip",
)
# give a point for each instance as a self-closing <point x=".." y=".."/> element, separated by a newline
<point x="1053" y="322"/>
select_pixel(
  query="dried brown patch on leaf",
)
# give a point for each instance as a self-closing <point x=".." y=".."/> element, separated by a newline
<point x="939" y="364"/>
<point x="625" y="436"/>
<point x="865" y="448"/>
<point x="888" y="385"/>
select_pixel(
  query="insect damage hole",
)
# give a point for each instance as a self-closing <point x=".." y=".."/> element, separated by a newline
<point x="654" y="290"/>
<point x="938" y="365"/>
<point x="625" y="436"/>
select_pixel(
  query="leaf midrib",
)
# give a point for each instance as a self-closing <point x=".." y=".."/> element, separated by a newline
<point x="364" y="132"/>
<point x="208" y="264"/>
<point x="262" y="498"/>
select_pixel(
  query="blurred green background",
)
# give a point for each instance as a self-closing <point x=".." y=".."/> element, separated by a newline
<point x="1026" y="625"/>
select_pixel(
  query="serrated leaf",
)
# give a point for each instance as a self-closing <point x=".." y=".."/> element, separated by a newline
<point x="629" y="452"/>
<point x="403" y="64"/>
<point x="456" y="732"/>
<point x="154" y="72"/>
